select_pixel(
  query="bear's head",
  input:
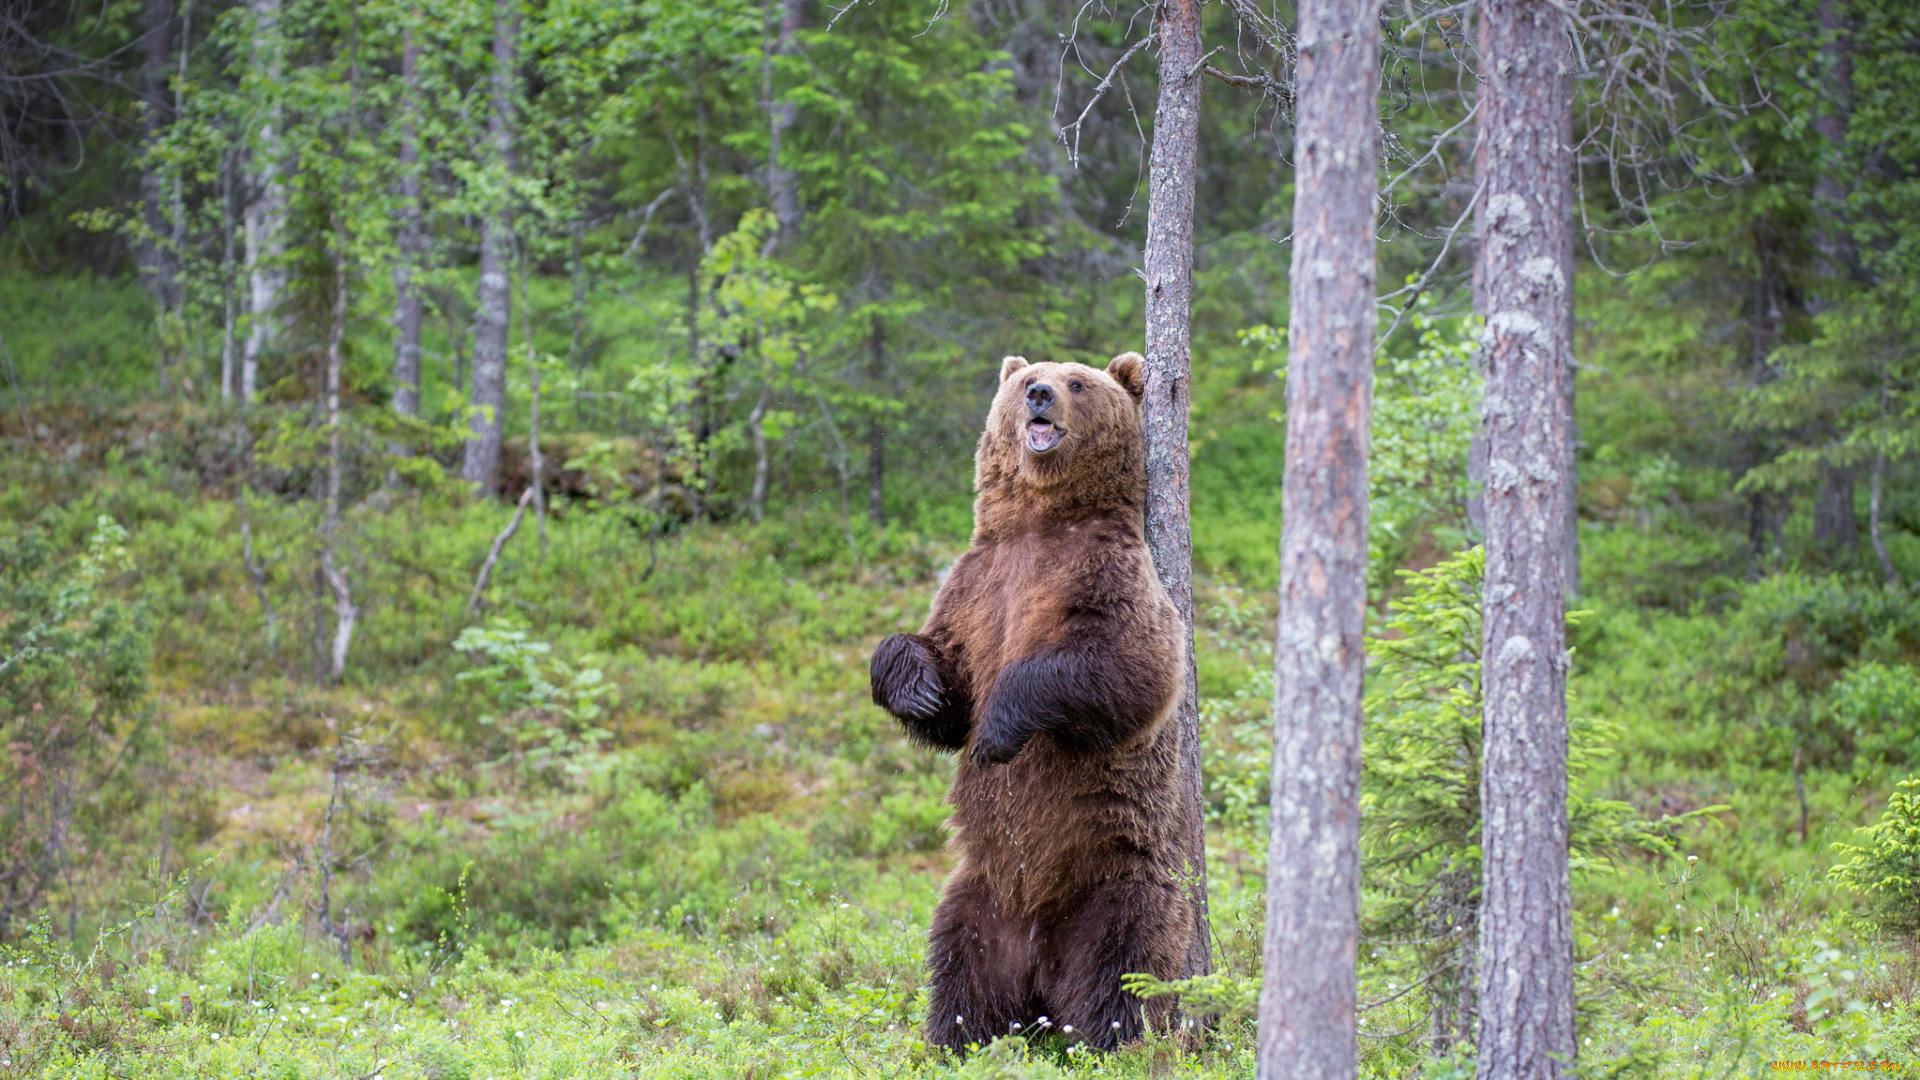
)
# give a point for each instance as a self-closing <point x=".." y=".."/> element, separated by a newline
<point x="1065" y="433"/>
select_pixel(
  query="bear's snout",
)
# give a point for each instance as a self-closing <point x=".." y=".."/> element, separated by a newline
<point x="1039" y="398"/>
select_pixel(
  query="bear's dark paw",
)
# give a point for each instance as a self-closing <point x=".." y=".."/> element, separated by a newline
<point x="905" y="681"/>
<point x="999" y="740"/>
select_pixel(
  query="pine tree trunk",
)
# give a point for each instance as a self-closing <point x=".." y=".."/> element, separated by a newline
<point x="1832" y="239"/>
<point x="1570" y="473"/>
<point x="264" y="220"/>
<point x="487" y="399"/>
<point x="1308" y="1017"/>
<point x="409" y="309"/>
<point x="1168" y="258"/>
<point x="1836" y="529"/>
<point x="1526" y="929"/>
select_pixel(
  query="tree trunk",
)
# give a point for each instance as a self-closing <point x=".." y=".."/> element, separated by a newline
<point x="757" y="429"/>
<point x="487" y="400"/>
<point x="1765" y="512"/>
<point x="264" y="220"/>
<point x="1172" y="173"/>
<point x="1526" y="928"/>
<point x="409" y="309"/>
<point x="1873" y="521"/>
<point x="344" y="611"/>
<point x="876" y="429"/>
<point x="783" y="184"/>
<point x="157" y="264"/>
<point x="1836" y="530"/>
<point x="1308" y="1017"/>
<point x="1570" y="471"/>
<point x="229" y="297"/>
<point x="1832" y="239"/>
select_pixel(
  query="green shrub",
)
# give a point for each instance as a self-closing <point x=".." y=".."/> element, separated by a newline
<point x="1884" y="865"/>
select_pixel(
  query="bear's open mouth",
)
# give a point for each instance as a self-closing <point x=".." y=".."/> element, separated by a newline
<point x="1043" y="434"/>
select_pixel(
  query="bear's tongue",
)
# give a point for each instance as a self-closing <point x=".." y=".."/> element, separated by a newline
<point x="1042" y="435"/>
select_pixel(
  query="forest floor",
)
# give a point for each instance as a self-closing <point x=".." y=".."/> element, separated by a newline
<point x="641" y="820"/>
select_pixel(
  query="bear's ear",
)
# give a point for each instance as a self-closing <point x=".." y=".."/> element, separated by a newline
<point x="1010" y="365"/>
<point x="1129" y="369"/>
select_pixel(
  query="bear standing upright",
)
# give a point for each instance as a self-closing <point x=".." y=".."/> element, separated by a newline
<point x="1053" y="660"/>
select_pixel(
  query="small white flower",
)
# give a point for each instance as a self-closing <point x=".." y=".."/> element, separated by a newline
<point x="1066" y="1029"/>
<point x="216" y="1036"/>
<point x="153" y="990"/>
<point x="315" y="976"/>
<point x="519" y="1034"/>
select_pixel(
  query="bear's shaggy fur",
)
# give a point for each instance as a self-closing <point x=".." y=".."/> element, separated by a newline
<point x="1053" y="659"/>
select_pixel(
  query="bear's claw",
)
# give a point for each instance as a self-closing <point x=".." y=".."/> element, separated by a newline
<point x="905" y="682"/>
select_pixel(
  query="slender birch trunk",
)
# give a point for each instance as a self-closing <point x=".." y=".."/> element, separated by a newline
<point x="265" y="217"/>
<point x="1526" y="930"/>
<point x="1168" y="267"/>
<point x="756" y="427"/>
<point x="487" y="399"/>
<point x="344" y="611"/>
<point x="229" y="298"/>
<point x="1308" y="1020"/>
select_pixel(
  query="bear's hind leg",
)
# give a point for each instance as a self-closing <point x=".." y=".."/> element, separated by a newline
<point x="981" y="967"/>
<point x="1126" y="926"/>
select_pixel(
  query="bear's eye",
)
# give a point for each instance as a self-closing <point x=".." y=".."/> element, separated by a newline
<point x="1075" y="386"/>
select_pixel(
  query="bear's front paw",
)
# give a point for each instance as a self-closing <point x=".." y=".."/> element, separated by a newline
<point x="1000" y="739"/>
<point x="905" y="681"/>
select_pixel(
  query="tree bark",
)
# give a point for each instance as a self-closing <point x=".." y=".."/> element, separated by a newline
<point x="487" y="399"/>
<point x="1873" y="521"/>
<point x="264" y="220"/>
<point x="783" y="184"/>
<point x="229" y="297"/>
<point x="1308" y="1017"/>
<point x="409" y="309"/>
<point x="757" y="429"/>
<point x="1836" y="529"/>
<point x="1832" y="240"/>
<point x="1172" y="176"/>
<point x="344" y="611"/>
<point x="1569" y="371"/>
<point x="1526" y="928"/>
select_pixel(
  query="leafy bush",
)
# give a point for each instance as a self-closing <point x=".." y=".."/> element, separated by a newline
<point x="73" y="686"/>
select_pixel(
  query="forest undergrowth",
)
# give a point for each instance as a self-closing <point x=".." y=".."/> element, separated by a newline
<point x="637" y="816"/>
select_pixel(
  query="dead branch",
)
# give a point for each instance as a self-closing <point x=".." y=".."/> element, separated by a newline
<point x="493" y="556"/>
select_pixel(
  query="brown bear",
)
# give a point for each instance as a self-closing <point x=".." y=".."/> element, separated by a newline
<point x="1053" y="660"/>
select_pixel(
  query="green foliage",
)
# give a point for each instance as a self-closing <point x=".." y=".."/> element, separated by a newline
<point x="548" y="708"/>
<point x="1884" y="864"/>
<point x="73" y="690"/>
